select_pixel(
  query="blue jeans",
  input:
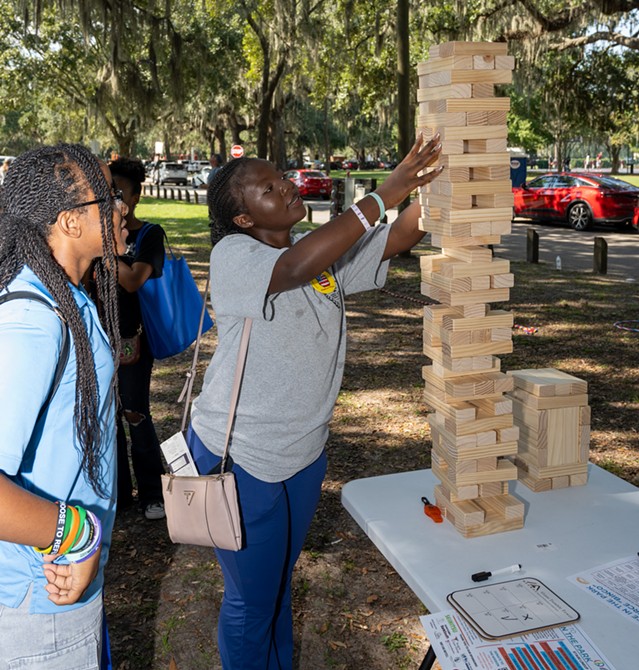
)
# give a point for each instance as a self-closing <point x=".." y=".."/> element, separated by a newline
<point x="255" y="629"/>
<point x="70" y="640"/>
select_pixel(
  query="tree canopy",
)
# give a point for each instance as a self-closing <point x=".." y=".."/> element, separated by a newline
<point x="287" y="78"/>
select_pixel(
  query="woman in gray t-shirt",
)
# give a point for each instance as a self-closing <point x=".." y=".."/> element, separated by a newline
<point x="293" y="288"/>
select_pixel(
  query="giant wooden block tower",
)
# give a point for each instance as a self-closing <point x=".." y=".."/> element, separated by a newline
<point x="467" y="208"/>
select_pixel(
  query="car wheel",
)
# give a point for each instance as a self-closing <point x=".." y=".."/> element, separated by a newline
<point x="579" y="216"/>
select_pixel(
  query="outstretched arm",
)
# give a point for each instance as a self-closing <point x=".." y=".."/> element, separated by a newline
<point x="321" y="248"/>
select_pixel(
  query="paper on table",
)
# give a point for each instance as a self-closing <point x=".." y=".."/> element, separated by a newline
<point x="615" y="583"/>
<point x="458" y="646"/>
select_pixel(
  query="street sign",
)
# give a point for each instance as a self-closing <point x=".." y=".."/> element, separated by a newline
<point x="237" y="151"/>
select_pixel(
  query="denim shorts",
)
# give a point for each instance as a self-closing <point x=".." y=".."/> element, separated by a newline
<point x="70" y="640"/>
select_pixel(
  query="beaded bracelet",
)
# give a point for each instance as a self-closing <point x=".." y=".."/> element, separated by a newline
<point x="380" y="204"/>
<point x="361" y="217"/>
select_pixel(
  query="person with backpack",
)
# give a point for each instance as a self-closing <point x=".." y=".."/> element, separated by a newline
<point x="143" y="260"/>
<point x="59" y="211"/>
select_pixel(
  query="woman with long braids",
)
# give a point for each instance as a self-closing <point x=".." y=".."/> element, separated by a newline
<point x="58" y="212"/>
<point x="294" y="289"/>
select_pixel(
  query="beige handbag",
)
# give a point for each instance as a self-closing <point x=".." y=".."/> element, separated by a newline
<point x="204" y="510"/>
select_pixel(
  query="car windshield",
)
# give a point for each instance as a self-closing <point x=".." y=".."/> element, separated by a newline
<point x="611" y="182"/>
<point x="314" y="174"/>
<point x="172" y="166"/>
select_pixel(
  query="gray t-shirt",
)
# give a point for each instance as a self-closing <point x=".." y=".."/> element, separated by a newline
<point x="295" y="359"/>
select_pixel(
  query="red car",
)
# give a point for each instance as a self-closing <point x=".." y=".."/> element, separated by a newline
<point x="311" y="183"/>
<point x="579" y="199"/>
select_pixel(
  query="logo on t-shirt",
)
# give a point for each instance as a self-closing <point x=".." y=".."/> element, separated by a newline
<point x="325" y="283"/>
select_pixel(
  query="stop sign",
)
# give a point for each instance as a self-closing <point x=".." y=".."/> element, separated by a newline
<point x="237" y="151"/>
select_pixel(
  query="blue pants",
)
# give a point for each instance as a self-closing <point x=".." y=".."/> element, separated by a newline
<point x="255" y="630"/>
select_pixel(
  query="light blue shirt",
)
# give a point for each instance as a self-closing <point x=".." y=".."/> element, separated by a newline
<point x="45" y="458"/>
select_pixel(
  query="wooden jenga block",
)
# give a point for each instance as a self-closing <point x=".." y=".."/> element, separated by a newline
<point x="494" y="406"/>
<point x="497" y="200"/>
<point x="445" y="202"/>
<point x="457" y="105"/>
<point x="450" y="268"/>
<point x="434" y="120"/>
<point x="474" y="160"/>
<point x="549" y="402"/>
<point x="465" y="365"/>
<point x="470" y="254"/>
<point x="444" y="92"/>
<point x="445" y="242"/>
<point x="548" y="382"/>
<point x="496" y="172"/>
<point x="485" y="90"/>
<point x="485" y="145"/>
<point x="486" y="118"/>
<point x="465" y="133"/>
<point x="444" y="64"/>
<point x="466" y="76"/>
<point x="484" y="62"/>
<point x="491" y="489"/>
<point x="473" y="187"/>
<point x="456" y="48"/>
<point x="578" y="480"/>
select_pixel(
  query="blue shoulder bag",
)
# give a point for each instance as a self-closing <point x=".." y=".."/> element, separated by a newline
<point x="171" y="305"/>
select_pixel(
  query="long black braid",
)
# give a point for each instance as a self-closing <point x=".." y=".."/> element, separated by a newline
<point x="43" y="182"/>
<point x="225" y="198"/>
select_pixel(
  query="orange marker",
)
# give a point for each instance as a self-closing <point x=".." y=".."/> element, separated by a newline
<point x="432" y="511"/>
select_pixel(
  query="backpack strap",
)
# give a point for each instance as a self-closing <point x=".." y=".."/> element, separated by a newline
<point x="64" y="350"/>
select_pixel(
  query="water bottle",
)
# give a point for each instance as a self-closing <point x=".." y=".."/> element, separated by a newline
<point x="558" y="263"/>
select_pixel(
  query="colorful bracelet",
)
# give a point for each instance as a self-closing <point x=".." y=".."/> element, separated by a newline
<point x="93" y="542"/>
<point x="58" y="538"/>
<point x="71" y="531"/>
<point x="380" y="204"/>
<point x="361" y="217"/>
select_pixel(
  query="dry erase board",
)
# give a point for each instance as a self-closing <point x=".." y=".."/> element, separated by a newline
<point x="512" y="608"/>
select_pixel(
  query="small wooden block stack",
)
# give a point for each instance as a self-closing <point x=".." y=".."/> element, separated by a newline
<point x="552" y="413"/>
<point x="468" y="207"/>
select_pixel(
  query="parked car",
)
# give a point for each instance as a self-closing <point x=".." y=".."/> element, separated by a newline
<point x="201" y="178"/>
<point x="350" y="164"/>
<point x="578" y="199"/>
<point x="174" y="173"/>
<point x="311" y="183"/>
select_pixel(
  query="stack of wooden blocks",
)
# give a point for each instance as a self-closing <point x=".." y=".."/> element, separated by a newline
<point x="465" y="209"/>
<point x="552" y="413"/>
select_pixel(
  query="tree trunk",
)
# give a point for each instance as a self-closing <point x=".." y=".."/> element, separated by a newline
<point x="404" y="134"/>
<point x="221" y="141"/>
<point x="403" y="90"/>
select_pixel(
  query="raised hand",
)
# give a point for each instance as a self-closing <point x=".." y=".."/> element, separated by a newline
<point x="411" y="172"/>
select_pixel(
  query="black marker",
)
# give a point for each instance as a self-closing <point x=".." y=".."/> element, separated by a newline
<point x="483" y="576"/>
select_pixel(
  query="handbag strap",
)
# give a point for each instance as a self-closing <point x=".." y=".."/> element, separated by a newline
<point x="237" y="381"/>
<point x="187" y="389"/>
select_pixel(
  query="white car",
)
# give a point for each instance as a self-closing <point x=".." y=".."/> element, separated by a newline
<point x="174" y="173"/>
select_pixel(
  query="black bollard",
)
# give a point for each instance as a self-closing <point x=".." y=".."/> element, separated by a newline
<point x="600" y="259"/>
<point x="532" y="246"/>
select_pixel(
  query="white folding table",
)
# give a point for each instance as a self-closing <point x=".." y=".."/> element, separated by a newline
<point x="565" y="531"/>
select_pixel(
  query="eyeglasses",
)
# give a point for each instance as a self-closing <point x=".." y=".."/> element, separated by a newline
<point x="116" y="196"/>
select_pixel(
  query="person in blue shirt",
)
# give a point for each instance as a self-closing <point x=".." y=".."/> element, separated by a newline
<point x="58" y="212"/>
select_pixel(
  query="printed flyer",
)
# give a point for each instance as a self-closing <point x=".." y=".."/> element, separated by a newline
<point x="458" y="647"/>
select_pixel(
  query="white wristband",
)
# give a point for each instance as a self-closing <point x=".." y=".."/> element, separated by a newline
<point x="361" y="217"/>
